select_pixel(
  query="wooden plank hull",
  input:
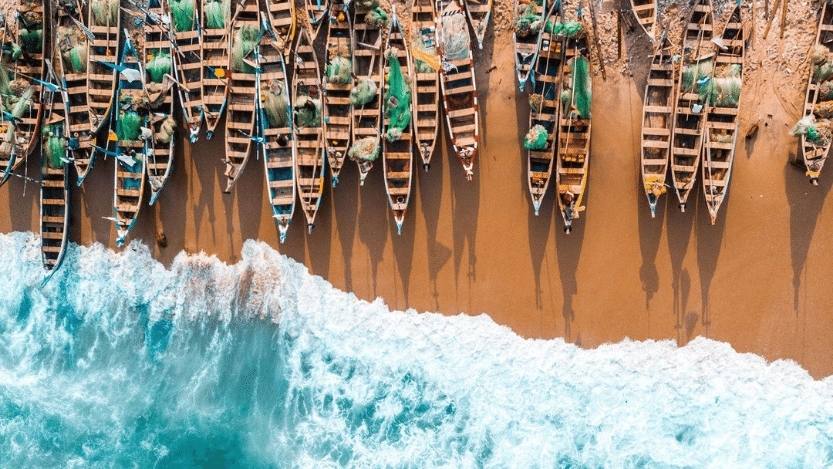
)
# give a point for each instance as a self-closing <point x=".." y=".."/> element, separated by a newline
<point x="526" y="44"/>
<point x="689" y="108"/>
<point x="397" y="157"/>
<point x="102" y="55"/>
<point x="573" y="161"/>
<point x="645" y="12"/>
<point x="813" y="154"/>
<point x="242" y="96"/>
<point x="426" y="82"/>
<point x="215" y="43"/>
<point x="316" y="15"/>
<point x="544" y="111"/>
<point x="281" y="14"/>
<point x="338" y="111"/>
<point x="188" y="69"/>
<point x="367" y="64"/>
<point x="459" y="92"/>
<point x="657" y="109"/>
<point x="479" y="13"/>
<point x="161" y="93"/>
<point x="310" y="162"/>
<point x="721" y="132"/>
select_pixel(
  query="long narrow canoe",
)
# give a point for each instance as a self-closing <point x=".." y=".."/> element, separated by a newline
<point x="70" y="47"/>
<point x="656" y="125"/>
<point x="54" y="192"/>
<point x="397" y="159"/>
<point x="722" y="117"/>
<point x="187" y="59"/>
<point x="215" y="40"/>
<point x="426" y="79"/>
<point x="574" y="131"/>
<point x="459" y="91"/>
<point x="131" y="150"/>
<point x="525" y="41"/>
<point x="275" y="123"/>
<point x="479" y="12"/>
<point x="103" y="18"/>
<point x="544" y="111"/>
<point x="242" y="91"/>
<point x="815" y="153"/>
<point x="367" y="65"/>
<point x="310" y="162"/>
<point x="689" y="109"/>
<point x="24" y="92"/>
<point x="646" y="14"/>
<point x="316" y="14"/>
<point x="281" y="14"/>
<point x="159" y="67"/>
<point x="337" y="108"/>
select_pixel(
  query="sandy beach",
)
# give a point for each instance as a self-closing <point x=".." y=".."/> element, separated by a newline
<point x="759" y="279"/>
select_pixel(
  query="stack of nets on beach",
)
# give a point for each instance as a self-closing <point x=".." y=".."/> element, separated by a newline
<point x="397" y="99"/>
<point x="817" y="127"/>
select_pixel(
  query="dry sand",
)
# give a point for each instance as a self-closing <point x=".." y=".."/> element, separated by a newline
<point x="760" y="279"/>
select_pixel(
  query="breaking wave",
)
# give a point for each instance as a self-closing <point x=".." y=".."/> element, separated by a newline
<point x="119" y="361"/>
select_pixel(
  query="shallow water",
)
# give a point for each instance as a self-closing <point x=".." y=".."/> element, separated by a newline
<point x="118" y="361"/>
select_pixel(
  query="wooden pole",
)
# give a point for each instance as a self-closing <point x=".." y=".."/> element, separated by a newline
<point x="596" y="43"/>
<point x="783" y="17"/>
<point x="769" y="21"/>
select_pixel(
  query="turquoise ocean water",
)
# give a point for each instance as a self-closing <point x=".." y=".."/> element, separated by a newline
<point x="121" y="362"/>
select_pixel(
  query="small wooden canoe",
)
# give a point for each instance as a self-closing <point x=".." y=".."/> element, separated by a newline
<point x="656" y="125"/>
<point x="337" y="109"/>
<point x="132" y="151"/>
<point x="815" y="154"/>
<point x="275" y="123"/>
<point x="316" y="14"/>
<point x="689" y="108"/>
<point x="103" y="21"/>
<point x="242" y="92"/>
<point x="215" y="41"/>
<point x="70" y="47"/>
<point x="721" y="133"/>
<point x="525" y="41"/>
<point x="187" y="57"/>
<point x="479" y="12"/>
<point x="54" y="190"/>
<point x="544" y="110"/>
<point x="281" y="14"/>
<point x="159" y="69"/>
<point x="397" y="139"/>
<point x="574" y="132"/>
<point x="646" y="14"/>
<point x="426" y="82"/>
<point x="310" y="161"/>
<point x="367" y="65"/>
<point x="459" y="91"/>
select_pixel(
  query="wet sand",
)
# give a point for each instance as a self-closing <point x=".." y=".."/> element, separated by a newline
<point x="759" y="279"/>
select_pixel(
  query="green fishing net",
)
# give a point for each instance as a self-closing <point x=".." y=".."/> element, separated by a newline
<point x="54" y="146"/>
<point x="216" y="13"/>
<point x="308" y="112"/>
<point x="582" y="86"/>
<point x="528" y="22"/>
<point x="159" y="65"/>
<point x="536" y="138"/>
<point x="182" y="14"/>
<point x="567" y="29"/>
<point x="31" y="40"/>
<point x="23" y="103"/>
<point x="397" y="99"/>
<point x="364" y="92"/>
<point x="364" y="149"/>
<point x="696" y="76"/>
<point x="339" y="70"/>
<point x="129" y="125"/>
<point x="376" y="18"/>
<point x="455" y="37"/>
<point x="275" y="102"/>
<point x="724" y="88"/>
<point x="245" y="41"/>
<point x="105" y="12"/>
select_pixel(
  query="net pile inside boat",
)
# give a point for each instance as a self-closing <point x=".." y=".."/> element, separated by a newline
<point x="397" y="99"/>
<point x="456" y="43"/>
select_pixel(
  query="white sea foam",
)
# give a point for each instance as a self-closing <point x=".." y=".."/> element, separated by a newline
<point x="119" y="359"/>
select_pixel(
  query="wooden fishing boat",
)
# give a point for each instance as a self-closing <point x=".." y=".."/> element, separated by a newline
<point x="308" y="128"/>
<point x="337" y="107"/>
<point x="721" y="132"/>
<point x="574" y="130"/>
<point x="104" y="17"/>
<point x="459" y="92"/>
<point x="367" y="67"/>
<point x="24" y="90"/>
<point x="275" y="127"/>
<point x="187" y="57"/>
<point x="479" y="12"/>
<point x="544" y="111"/>
<point x="54" y="187"/>
<point x="426" y="79"/>
<point x="689" y="112"/>
<point x="159" y="69"/>
<point x="242" y="92"/>
<point x="70" y="49"/>
<point x="656" y="125"/>
<point x="814" y="153"/>
<point x="131" y="150"/>
<point x="214" y="43"/>
<point x="525" y="41"/>
<point x="397" y="160"/>
<point x="316" y="14"/>
<point x="646" y="14"/>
